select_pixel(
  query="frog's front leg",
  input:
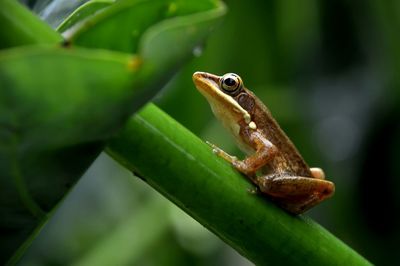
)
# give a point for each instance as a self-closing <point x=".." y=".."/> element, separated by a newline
<point x="295" y="193"/>
<point x="221" y="153"/>
<point x="265" y="151"/>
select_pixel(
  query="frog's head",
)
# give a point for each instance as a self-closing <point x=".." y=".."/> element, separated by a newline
<point x="229" y="100"/>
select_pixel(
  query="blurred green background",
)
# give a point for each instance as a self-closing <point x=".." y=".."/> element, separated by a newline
<point x="328" y="71"/>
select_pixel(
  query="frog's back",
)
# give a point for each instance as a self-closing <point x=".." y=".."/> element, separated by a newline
<point x="288" y="160"/>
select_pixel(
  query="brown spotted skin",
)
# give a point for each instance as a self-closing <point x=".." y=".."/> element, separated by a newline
<point x="288" y="160"/>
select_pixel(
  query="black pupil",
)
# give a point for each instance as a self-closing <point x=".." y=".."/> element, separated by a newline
<point x="229" y="82"/>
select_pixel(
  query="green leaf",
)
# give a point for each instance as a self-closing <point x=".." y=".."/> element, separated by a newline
<point x="187" y="31"/>
<point x="83" y="92"/>
<point x="18" y="26"/>
<point x="84" y="11"/>
<point x="184" y="169"/>
<point x="120" y="26"/>
<point x="58" y="105"/>
<point x="52" y="123"/>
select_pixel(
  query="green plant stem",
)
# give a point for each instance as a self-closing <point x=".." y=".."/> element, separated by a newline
<point x="181" y="167"/>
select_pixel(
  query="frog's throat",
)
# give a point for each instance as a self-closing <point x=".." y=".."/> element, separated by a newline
<point x="234" y="104"/>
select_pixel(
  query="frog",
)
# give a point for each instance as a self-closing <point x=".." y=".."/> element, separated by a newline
<point x="272" y="163"/>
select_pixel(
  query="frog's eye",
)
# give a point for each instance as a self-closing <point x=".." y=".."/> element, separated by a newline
<point x="231" y="83"/>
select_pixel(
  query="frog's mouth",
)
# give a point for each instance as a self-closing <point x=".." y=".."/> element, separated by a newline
<point x="207" y="83"/>
<point x="222" y="104"/>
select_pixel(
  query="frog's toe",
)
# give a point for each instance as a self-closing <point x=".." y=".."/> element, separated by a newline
<point x="254" y="190"/>
<point x="317" y="173"/>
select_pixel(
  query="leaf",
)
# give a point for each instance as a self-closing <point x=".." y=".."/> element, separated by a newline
<point x="120" y="26"/>
<point x="58" y="105"/>
<point x="18" y="27"/>
<point x="211" y="191"/>
<point x="188" y="31"/>
<point x="83" y="12"/>
<point x="52" y="124"/>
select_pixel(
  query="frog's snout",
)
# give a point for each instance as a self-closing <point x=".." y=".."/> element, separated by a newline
<point x="198" y="74"/>
<point x="204" y="76"/>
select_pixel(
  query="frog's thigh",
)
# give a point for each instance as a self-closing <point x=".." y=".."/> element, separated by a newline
<point x="295" y="186"/>
<point x="317" y="173"/>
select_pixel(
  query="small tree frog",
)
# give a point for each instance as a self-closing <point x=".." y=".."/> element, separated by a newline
<point x="285" y="176"/>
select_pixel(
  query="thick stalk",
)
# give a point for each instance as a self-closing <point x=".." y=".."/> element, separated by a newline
<point x="182" y="167"/>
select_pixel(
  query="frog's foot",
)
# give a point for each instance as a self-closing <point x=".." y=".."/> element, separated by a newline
<point x="241" y="166"/>
<point x="254" y="190"/>
<point x="295" y="193"/>
<point x="221" y="153"/>
<point x="317" y="173"/>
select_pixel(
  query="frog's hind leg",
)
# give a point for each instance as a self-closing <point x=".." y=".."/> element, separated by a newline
<point x="295" y="193"/>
